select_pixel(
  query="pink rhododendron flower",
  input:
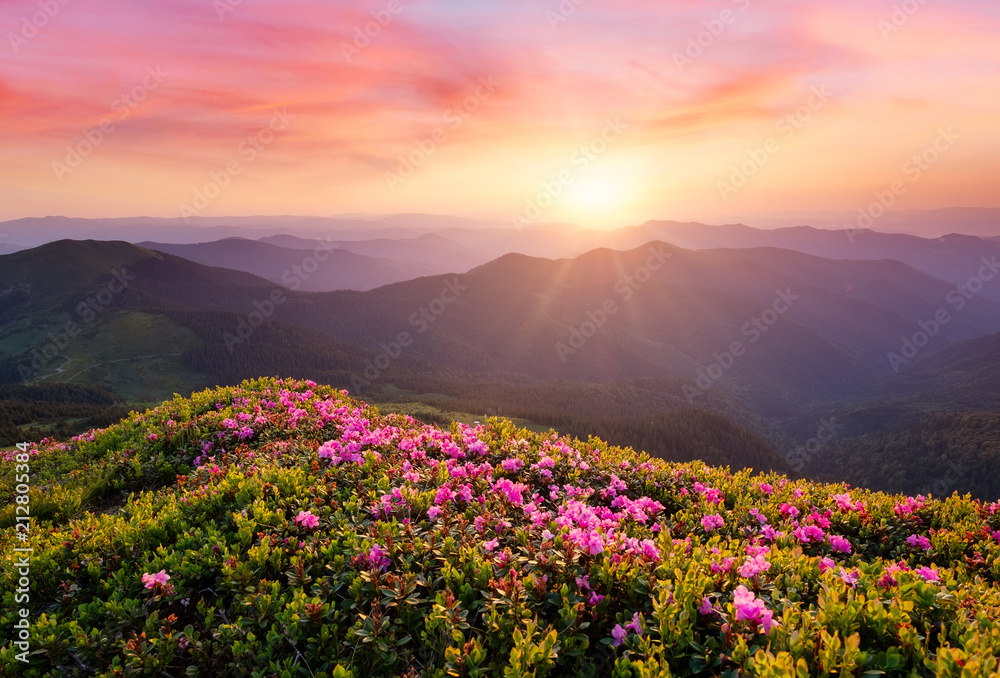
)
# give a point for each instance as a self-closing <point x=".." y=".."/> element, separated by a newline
<point x="888" y="579"/>
<point x="433" y="512"/>
<point x="808" y="534"/>
<point x="706" y="606"/>
<point x="512" y="464"/>
<point x="307" y="518"/>
<point x="152" y="580"/>
<point x="712" y="522"/>
<point x="725" y="566"/>
<point x="928" y="573"/>
<point x="788" y="511"/>
<point x="918" y="541"/>
<point x="753" y="566"/>
<point x="845" y="503"/>
<point x="826" y="564"/>
<point x="849" y="578"/>
<point x="377" y="558"/>
<point x="770" y="534"/>
<point x="635" y="625"/>
<point x="618" y="635"/>
<point x="839" y="544"/>
<point x="444" y="494"/>
<point x="819" y="519"/>
<point x="910" y="505"/>
<point x="752" y="609"/>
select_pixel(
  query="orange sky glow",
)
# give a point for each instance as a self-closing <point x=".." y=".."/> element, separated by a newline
<point x="599" y="112"/>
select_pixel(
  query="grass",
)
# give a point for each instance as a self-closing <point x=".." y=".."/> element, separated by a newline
<point x="126" y="354"/>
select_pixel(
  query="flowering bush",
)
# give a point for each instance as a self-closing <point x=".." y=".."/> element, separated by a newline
<point x="283" y="528"/>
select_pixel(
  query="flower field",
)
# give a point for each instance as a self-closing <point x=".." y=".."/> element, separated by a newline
<point x="282" y="528"/>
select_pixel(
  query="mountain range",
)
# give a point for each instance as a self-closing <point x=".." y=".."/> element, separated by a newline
<point x="630" y="344"/>
<point x="319" y="268"/>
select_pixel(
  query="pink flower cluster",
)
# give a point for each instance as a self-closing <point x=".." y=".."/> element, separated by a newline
<point x="307" y="518"/>
<point x="154" y="580"/>
<point x="376" y="558"/>
<point x="712" y="522"/>
<point x="618" y="634"/>
<point x="709" y="494"/>
<point x="750" y="608"/>
<point x="753" y="566"/>
<point x="910" y="505"/>
<point x="845" y="503"/>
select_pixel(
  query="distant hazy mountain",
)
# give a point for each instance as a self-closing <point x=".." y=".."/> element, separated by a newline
<point x="435" y="253"/>
<point x="10" y="248"/>
<point x="953" y="258"/>
<point x="978" y="221"/>
<point x="35" y="231"/>
<point x="298" y="268"/>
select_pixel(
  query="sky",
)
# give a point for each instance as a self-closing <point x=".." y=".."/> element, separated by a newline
<point x="599" y="112"/>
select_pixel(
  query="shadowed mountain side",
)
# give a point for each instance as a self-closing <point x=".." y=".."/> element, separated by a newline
<point x="316" y="270"/>
<point x="953" y="258"/>
<point x="434" y="252"/>
<point x="933" y="427"/>
<point x="909" y="292"/>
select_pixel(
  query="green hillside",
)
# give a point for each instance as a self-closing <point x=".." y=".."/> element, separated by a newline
<point x="935" y="426"/>
<point x="283" y="528"/>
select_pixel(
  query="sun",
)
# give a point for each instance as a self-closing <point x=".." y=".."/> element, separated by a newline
<point x="597" y="192"/>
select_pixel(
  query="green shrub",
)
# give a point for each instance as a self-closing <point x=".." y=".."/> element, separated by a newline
<point x="281" y="528"/>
